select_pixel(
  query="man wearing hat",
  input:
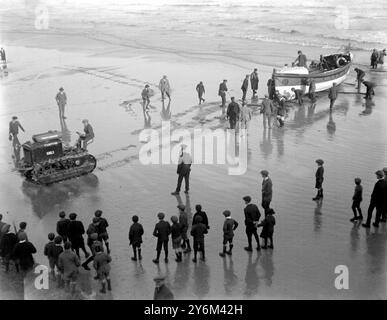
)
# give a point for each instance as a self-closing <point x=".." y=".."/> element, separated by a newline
<point x="267" y="190"/>
<point x="22" y="253"/>
<point x="267" y="110"/>
<point x="245" y="87"/>
<point x="145" y="94"/>
<point x="161" y="291"/>
<point x="165" y="88"/>
<point x="87" y="137"/>
<point x="252" y="216"/>
<point x="161" y="232"/>
<point x="233" y="112"/>
<point x="61" y="100"/>
<point x="14" y="126"/>
<point x="75" y="233"/>
<point x="377" y="200"/>
<point x="254" y="81"/>
<point x="62" y="226"/>
<point x="183" y="221"/>
<point x="319" y="179"/>
<point x="183" y="170"/>
<point x="7" y="244"/>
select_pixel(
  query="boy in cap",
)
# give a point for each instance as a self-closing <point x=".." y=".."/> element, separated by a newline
<point x="68" y="263"/>
<point x="176" y="238"/>
<point x="22" y="253"/>
<point x="93" y="228"/>
<point x="7" y="244"/>
<point x="252" y="216"/>
<point x="267" y="190"/>
<point x="161" y="232"/>
<point x="135" y="238"/>
<point x="62" y="226"/>
<point x="233" y="111"/>
<point x="102" y="266"/>
<point x="103" y="235"/>
<point x="161" y="291"/>
<point x="200" y="213"/>
<point x="357" y="199"/>
<point x="268" y="228"/>
<point x="183" y="221"/>
<point x="75" y="233"/>
<point x="229" y="227"/>
<point x="22" y="229"/>
<point x="198" y="231"/>
<point x="47" y="253"/>
<point x="319" y="179"/>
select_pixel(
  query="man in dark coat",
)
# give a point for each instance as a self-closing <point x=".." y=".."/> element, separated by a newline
<point x="22" y="253"/>
<point x="202" y="214"/>
<point x="62" y="226"/>
<point x="332" y="95"/>
<point x="136" y="232"/>
<point x="233" y="111"/>
<point x="200" y="90"/>
<point x="7" y="245"/>
<point x="254" y="80"/>
<point x="183" y="170"/>
<point x="370" y="89"/>
<point x="245" y="87"/>
<point x="75" y="233"/>
<point x="2" y="224"/>
<point x="222" y="93"/>
<point x="161" y="291"/>
<point x="271" y="88"/>
<point x="360" y="74"/>
<point x="161" y="232"/>
<point x="267" y="190"/>
<point x="319" y="179"/>
<point x="198" y="231"/>
<point x="252" y="216"/>
<point x="374" y="59"/>
<point x="377" y="200"/>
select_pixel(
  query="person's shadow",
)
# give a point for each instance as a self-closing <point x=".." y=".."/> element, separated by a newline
<point x="201" y="277"/>
<point x="268" y="267"/>
<point x="266" y="144"/>
<point x="251" y="278"/>
<point x="230" y="278"/>
<point x="318" y="215"/>
<point x="147" y="119"/>
<point x="331" y="126"/>
<point x="166" y="113"/>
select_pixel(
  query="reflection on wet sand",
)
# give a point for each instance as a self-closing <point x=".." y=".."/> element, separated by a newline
<point x="201" y="277"/>
<point x="66" y="134"/>
<point x="251" y="278"/>
<point x="268" y="267"/>
<point x="317" y="216"/>
<point x="368" y="106"/>
<point x="265" y="145"/>
<point x="166" y="112"/>
<point x="331" y="125"/>
<point x="147" y="119"/>
<point x="45" y="198"/>
<point x="230" y="278"/>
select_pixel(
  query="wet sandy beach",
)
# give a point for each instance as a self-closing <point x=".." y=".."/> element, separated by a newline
<point x="103" y="83"/>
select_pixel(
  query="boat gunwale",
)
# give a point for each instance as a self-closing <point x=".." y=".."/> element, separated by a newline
<point x="311" y="75"/>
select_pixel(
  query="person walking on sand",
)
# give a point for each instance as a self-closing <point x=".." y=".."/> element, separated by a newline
<point x="252" y="216"/>
<point x="267" y="110"/>
<point x="374" y="59"/>
<point x="245" y="87"/>
<point x="268" y="229"/>
<point x="300" y="60"/>
<point x="199" y="229"/>
<point x="68" y="263"/>
<point x="332" y="95"/>
<point x="14" y="126"/>
<point x="360" y="74"/>
<point x="254" y="80"/>
<point x="76" y="230"/>
<point x="233" y="112"/>
<point x="183" y="170"/>
<point x="267" y="190"/>
<point x="61" y="100"/>
<point x="319" y="179"/>
<point x="245" y="116"/>
<point x="357" y="199"/>
<point x="229" y="227"/>
<point x="183" y="222"/>
<point x="162" y="292"/>
<point x="176" y="238"/>
<point x="161" y="232"/>
<point x="201" y="91"/>
<point x="312" y="90"/>
<point x="377" y="200"/>
<point x="165" y="88"/>
<point x="101" y="265"/>
<point x="222" y="93"/>
<point x="136" y="232"/>
<point x="145" y="94"/>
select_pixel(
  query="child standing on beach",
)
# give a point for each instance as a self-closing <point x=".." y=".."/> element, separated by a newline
<point x="229" y="227"/>
<point x="197" y="232"/>
<point x="135" y="237"/>
<point x="102" y="266"/>
<point x="47" y="252"/>
<point x="161" y="232"/>
<point x="268" y="228"/>
<point x="357" y="199"/>
<point x="176" y="238"/>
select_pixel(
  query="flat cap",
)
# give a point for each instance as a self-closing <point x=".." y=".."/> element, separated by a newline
<point x="181" y="206"/>
<point x="264" y="173"/>
<point x="247" y="198"/>
<point x="379" y="174"/>
<point x="320" y="161"/>
<point x="160" y="215"/>
<point x="160" y="277"/>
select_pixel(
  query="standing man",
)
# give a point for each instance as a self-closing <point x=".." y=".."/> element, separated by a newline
<point x="161" y="291"/>
<point x="22" y="253"/>
<point x="319" y="179"/>
<point x="183" y="222"/>
<point x="267" y="190"/>
<point x="300" y="60"/>
<point x="75" y="233"/>
<point x="161" y="232"/>
<point x="145" y="94"/>
<point x="103" y="235"/>
<point x="312" y="90"/>
<point x="332" y="95"/>
<point x="271" y="88"/>
<point x="377" y="200"/>
<point x="14" y="126"/>
<point x="198" y="231"/>
<point x="222" y="93"/>
<point x="200" y="90"/>
<point x="267" y="110"/>
<point x="87" y="137"/>
<point x="165" y="88"/>
<point x="62" y="226"/>
<point x="360" y="74"/>
<point x="61" y="100"/>
<point x="254" y="81"/>
<point x="244" y="87"/>
<point x="233" y="111"/>
<point x="252" y="216"/>
<point x="183" y="170"/>
<point x="2" y="53"/>
<point x="384" y="213"/>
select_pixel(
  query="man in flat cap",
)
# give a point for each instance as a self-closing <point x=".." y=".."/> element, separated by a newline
<point x="183" y="170"/>
<point x="61" y="100"/>
<point x="162" y="292"/>
<point x="377" y="200"/>
<point x="384" y="213"/>
<point x="319" y="179"/>
<point x="267" y="190"/>
<point x="252" y="216"/>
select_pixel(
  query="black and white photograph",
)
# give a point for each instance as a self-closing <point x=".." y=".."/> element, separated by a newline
<point x="223" y="150"/>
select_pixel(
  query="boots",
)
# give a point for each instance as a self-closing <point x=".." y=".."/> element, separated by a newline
<point x="139" y="254"/>
<point x="203" y="258"/>
<point x="177" y="257"/>
<point x="109" y="285"/>
<point x="166" y="256"/>
<point x="103" y="289"/>
<point x="188" y="246"/>
<point x="229" y="252"/>
<point x="107" y="247"/>
<point x="134" y="258"/>
<point x="223" y="254"/>
<point x="158" y="257"/>
<point x="195" y="255"/>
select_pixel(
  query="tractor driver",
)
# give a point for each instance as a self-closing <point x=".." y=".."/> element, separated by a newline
<point x="87" y="137"/>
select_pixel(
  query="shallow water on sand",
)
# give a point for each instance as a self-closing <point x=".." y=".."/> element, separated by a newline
<point x="310" y="239"/>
